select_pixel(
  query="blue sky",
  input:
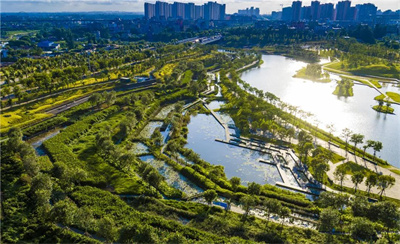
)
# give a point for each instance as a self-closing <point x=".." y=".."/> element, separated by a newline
<point x="266" y="6"/>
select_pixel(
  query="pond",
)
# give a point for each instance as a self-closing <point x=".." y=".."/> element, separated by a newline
<point x="164" y="112"/>
<point x="172" y="177"/>
<point x="276" y="76"/>
<point x="37" y="141"/>
<point x="237" y="161"/>
<point x="150" y="128"/>
<point x="139" y="148"/>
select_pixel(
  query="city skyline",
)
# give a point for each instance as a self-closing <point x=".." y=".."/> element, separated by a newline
<point x="232" y="6"/>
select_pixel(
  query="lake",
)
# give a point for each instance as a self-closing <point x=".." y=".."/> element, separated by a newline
<point x="275" y="75"/>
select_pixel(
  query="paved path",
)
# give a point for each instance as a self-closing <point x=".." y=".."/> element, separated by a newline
<point x="393" y="192"/>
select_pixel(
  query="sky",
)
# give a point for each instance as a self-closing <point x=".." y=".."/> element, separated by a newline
<point x="266" y="6"/>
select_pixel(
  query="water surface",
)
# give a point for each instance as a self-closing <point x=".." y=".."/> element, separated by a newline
<point x="276" y="76"/>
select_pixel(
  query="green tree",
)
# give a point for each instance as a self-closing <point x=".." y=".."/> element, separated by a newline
<point x="248" y="202"/>
<point x="346" y="133"/>
<point x="356" y="139"/>
<point x="385" y="182"/>
<point x="340" y="175"/>
<point x="254" y="188"/>
<point x="377" y="146"/>
<point x="329" y="219"/>
<point x="210" y="196"/>
<point x="362" y="228"/>
<point x="357" y="178"/>
<point x="235" y="183"/>
<point x="284" y="212"/>
<point x="157" y="137"/>
<point x="95" y="99"/>
<point x="106" y="228"/>
<point x="371" y="181"/>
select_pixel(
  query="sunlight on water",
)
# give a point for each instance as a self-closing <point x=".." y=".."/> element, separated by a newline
<point x="355" y="113"/>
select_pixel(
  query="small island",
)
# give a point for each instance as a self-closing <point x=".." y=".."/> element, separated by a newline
<point x="313" y="72"/>
<point x="344" y="88"/>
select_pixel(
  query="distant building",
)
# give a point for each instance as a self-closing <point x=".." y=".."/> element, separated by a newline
<point x="189" y="11"/>
<point x="287" y="14"/>
<point x="342" y="10"/>
<point x="249" y="12"/>
<point x="296" y="10"/>
<point x="306" y="13"/>
<point x="315" y="10"/>
<point x="214" y="11"/>
<point x="198" y="12"/>
<point x="327" y="11"/>
<point x="366" y="12"/>
<point x="149" y="10"/>
<point x="48" y="45"/>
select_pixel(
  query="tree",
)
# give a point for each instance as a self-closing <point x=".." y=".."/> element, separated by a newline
<point x="154" y="178"/>
<point x="329" y="219"/>
<point x="331" y="129"/>
<point x="362" y="228"/>
<point x="377" y="146"/>
<point x="271" y="206"/>
<point x="235" y="183"/>
<point x="356" y="139"/>
<point x="340" y="175"/>
<point x="385" y="182"/>
<point x="346" y="133"/>
<point x="210" y="196"/>
<point x="371" y="181"/>
<point x="157" y="137"/>
<point x="357" y="178"/>
<point x="107" y="229"/>
<point x="284" y="212"/>
<point x="254" y="188"/>
<point x="360" y="206"/>
<point x="95" y="99"/>
<point x="14" y="139"/>
<point x="247" y="202"/>
<point x="387" y="213"/>
<point x="109" y="97"/>
<point x="64" y="211"/>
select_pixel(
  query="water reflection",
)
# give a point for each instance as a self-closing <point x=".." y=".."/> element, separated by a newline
<point x="172" y="177"/>
<point x="355" y="113"/>
<point x="240" y="162"/>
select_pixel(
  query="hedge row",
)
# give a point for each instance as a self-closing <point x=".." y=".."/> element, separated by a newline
<point x="44" y="126"/>
<point x="57" y="146"/>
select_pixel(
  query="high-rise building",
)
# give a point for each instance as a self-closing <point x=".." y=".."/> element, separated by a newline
<point x="296" y="10"/>
<point x="178" y="10"/>
<point x="315" y="10"/>
<point x="306" y="13"/>
<point x="249" y="12"/>
<point x="149" y="10"/>
<point x="214" y="11"/>
<point x="198" y="12"/>
<point x="351" y="14"/>
<point x="162" y="10"/>
<point x="327" y="11"/>
<point x="342" y="9"/>
<point x="189" y="11"/>
<point x="366" y="12"/>
<point x="287" y="14"/>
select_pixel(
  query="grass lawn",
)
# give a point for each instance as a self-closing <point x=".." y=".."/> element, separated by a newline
<point x="165" y="70"/>
<point x="19" y="118"/>
<point x="302" y="74"/>
<point x="352" y="168"/>
<point x="395" y="96"/>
